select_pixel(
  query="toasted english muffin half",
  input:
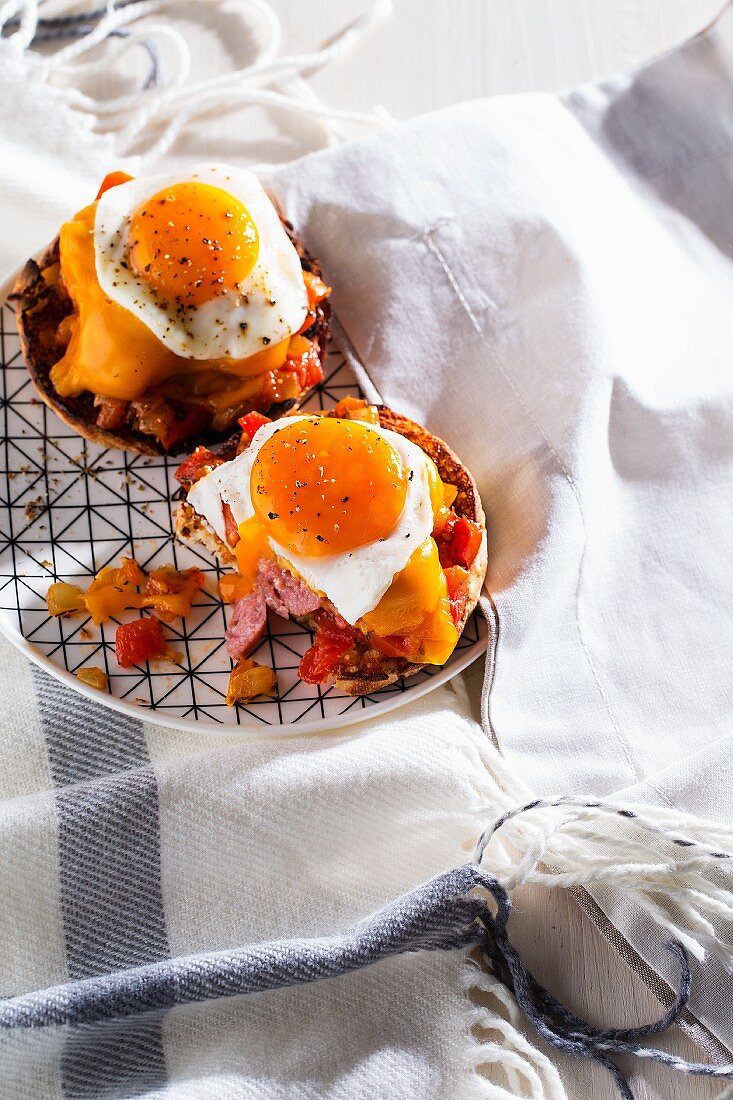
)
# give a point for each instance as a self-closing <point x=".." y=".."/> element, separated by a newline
<point x="41" y="303"/>
<point x="365" y="669"/>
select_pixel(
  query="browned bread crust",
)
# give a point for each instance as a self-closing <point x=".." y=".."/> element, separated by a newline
<point x="41" y="303"/>
<point x="365" y="669"/>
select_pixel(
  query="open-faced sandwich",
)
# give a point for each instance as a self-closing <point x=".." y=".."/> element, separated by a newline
<point x="359" y="524"/>
<point x="169" y="308"/>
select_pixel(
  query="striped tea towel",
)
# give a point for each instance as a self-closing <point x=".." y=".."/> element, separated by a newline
<point x="122" y="843"/>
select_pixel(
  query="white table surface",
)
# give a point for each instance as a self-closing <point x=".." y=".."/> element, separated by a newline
<point x="429" y="54"/>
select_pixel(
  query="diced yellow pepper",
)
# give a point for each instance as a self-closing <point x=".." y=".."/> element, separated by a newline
<point x="92" y="676"/>
<point x="109" y="600"/>
<point x="232" y="587"/>
<point x="65" y="599"/>
<point x="247" y="680"/>
<point x="356" y="408"/>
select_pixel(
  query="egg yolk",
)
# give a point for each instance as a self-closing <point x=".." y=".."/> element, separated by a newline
<point x="326" y="486"/>
<point x="192" y="242"/>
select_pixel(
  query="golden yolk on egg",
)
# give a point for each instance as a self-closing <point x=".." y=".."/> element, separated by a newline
<point x="192" y="242"/>
<point x="326" y="486"/>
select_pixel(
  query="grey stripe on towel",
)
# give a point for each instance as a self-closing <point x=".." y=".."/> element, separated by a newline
<point x="440" y="915"/>
<point x="109" y="870"/>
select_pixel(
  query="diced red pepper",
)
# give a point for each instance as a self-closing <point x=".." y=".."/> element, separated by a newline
<point x="304" y="362"/>
<point x="112" y="179"/>
<point x="459" y="541"/>
<point x="252" y="421"/>
<point x="333" y="628"/>
<point x="319" y="661"/>
<point x="317" y="290"/>
<point x="456" y="579"/>
<point x="396" y="645"/>
<point x="159" y="585"/>
<point x="169" y="591"/>
<point x="139" y="641"/>
<point x="171" y="423"/>
<point x="230" y="525"/>
<point x="193" y="466"/>
<point x="334" y="637"/>
<point x="177" y="429"/>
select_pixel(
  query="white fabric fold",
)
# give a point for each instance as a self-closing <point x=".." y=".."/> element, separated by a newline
<point x="547" y="282"/>
<point x="550" y="312"/>
<point x="302" y="837"/>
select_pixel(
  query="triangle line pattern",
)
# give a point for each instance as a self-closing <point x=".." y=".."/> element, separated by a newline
<point x="69" y="507"/>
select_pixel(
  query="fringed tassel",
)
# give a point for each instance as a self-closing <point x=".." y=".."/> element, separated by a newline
<point x="692" y="856"/>
<point x="166" y="106"/>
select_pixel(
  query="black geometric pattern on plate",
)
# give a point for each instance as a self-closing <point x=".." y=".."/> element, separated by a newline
<point x="68" y="507"/>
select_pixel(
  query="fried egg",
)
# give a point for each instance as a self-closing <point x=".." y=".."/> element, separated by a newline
<point x="345" y="504"/>
<point x="202" y="260"/>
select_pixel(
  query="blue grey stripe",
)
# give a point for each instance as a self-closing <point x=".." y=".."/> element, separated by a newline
<point x="439" y="915"/>
<point x="109" y="870"/>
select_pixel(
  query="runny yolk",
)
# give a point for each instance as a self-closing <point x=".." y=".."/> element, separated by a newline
<point x="326" y="486"/>
<point x="192" y="243"/>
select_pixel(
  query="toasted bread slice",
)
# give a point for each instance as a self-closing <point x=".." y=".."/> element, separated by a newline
<point x="367" y="669"/>
<point x="41" y="303"/>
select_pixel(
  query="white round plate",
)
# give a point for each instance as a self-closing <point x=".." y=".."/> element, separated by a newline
<point x="69" y="507"/>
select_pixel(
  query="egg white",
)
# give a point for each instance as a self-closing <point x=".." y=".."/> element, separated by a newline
<point x="212" y="330"/>
<point x="354" y="582"/>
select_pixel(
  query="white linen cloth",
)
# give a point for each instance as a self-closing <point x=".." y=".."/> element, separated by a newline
<point x="121" y="842"/>
<point x="547" y="282"/>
